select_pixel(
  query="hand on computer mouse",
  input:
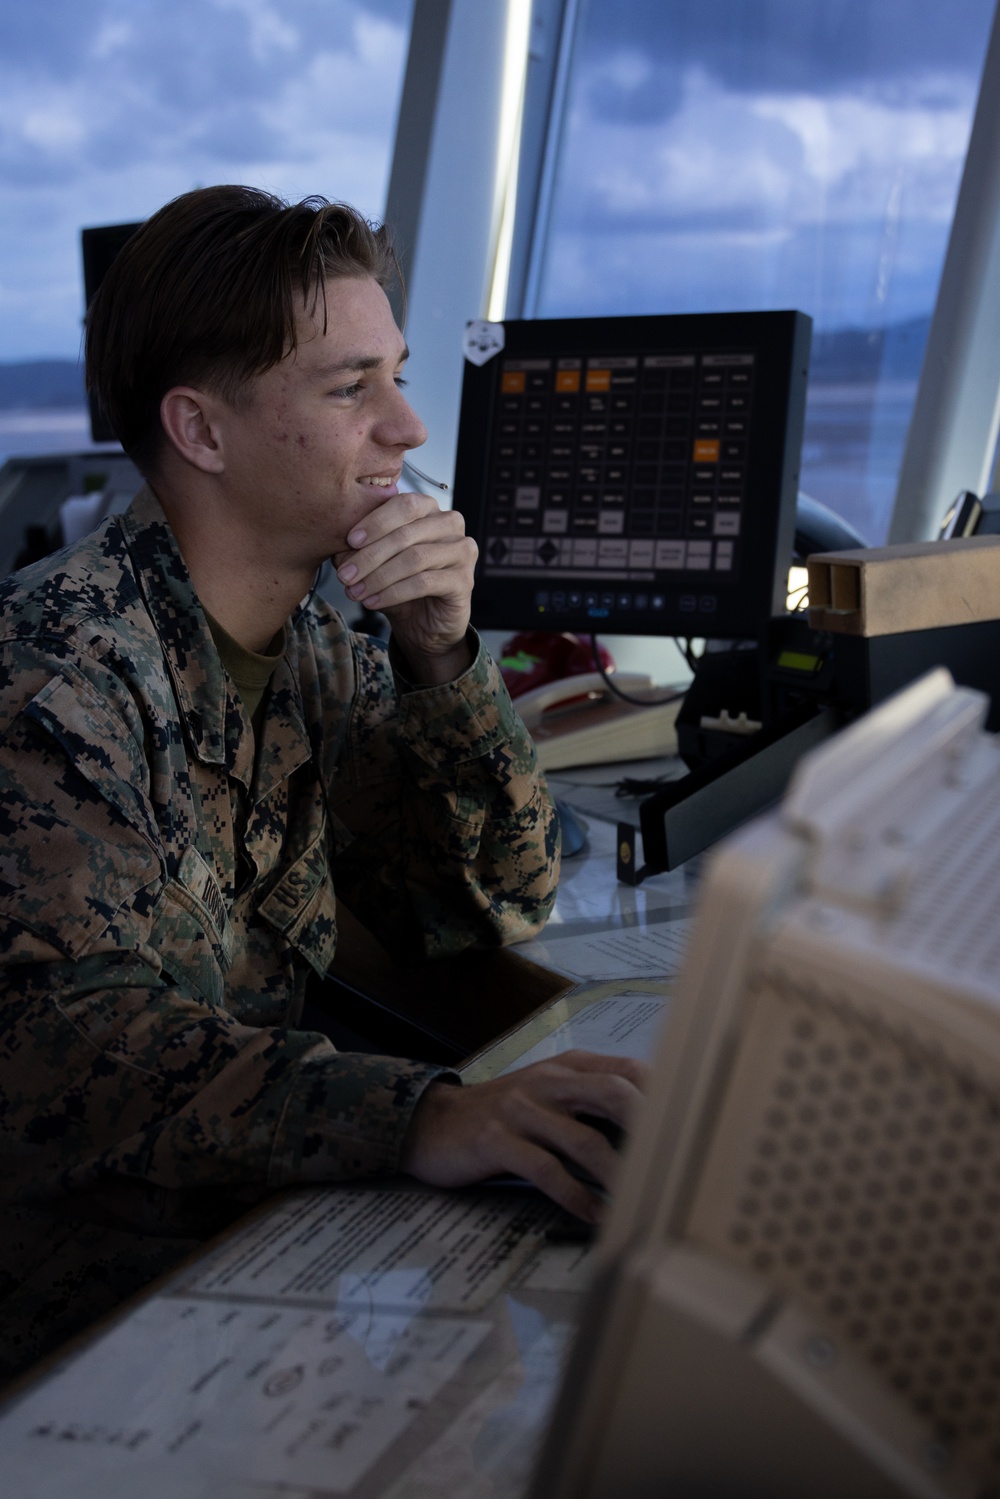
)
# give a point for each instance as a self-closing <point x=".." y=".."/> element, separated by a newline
<point x="530" y="1123"/>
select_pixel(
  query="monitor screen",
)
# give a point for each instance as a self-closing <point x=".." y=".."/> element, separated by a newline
<point x="636" y="475"/>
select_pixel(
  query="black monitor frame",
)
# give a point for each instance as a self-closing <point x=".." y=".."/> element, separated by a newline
<point x="99" y="247"/>
<point x="628" y="599"/>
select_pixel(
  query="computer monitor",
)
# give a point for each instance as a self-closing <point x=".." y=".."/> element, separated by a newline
<point x="99" y="247"/>
<point x="797" y="1291"/>
<point x="633" y="475"/>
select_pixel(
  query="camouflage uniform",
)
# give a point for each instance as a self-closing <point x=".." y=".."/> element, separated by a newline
<point x="164" y="894"/>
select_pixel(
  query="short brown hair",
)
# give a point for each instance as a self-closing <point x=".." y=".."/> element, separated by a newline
<point x="206" y="293"/>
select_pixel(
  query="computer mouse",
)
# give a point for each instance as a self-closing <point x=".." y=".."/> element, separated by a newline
<point x="574" y="832"/>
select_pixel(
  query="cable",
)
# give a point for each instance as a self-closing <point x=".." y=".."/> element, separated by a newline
<point x="317" y="580"/>
<point x="629" y="786"/>
<point x="638" y="702"/>
<point x="686" y="649"/>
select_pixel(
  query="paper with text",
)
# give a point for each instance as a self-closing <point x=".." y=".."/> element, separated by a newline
<point x="621" y="1019"/>
<point x="623" y="1025"/>
<point x="653" y="951"/>
<point x="383" y="1247"/>
<point x="489" y="1449"/>
<point x="248" y="1393"/>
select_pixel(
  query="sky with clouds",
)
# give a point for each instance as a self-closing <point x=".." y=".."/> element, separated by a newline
<point x="718" y="153"/>
<point x="108" y="108"/>
<point x="756" y="153"/>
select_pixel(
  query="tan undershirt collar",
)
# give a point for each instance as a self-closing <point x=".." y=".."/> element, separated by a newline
<point x="251" y="671"/>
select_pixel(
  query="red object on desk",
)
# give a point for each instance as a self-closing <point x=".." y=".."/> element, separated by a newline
<point x="535" y="657"/>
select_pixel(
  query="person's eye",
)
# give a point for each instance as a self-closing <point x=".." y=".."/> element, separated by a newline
<point x="348" y="392"/>
<point x="401" y="382"/>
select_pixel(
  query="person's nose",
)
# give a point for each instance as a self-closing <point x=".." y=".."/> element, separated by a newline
<point x="400" y="425"/>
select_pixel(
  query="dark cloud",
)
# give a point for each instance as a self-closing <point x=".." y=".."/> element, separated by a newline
<point x="781" y="46"/>
<point x="652" y="92"/>
<point x="702" y="169"/>
<point x="170" y="75"/>
<point x="55" y="38"/>
<point x="687" y="268"/>
<point x="108" y="108"/>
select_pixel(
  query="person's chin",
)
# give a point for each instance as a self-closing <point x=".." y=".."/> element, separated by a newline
<point x="375" y="495"/>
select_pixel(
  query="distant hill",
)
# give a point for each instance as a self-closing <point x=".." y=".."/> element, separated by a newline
<point x="862" y="354"/>
<point x="42" y="385"/>
<point x="841" y="355"/>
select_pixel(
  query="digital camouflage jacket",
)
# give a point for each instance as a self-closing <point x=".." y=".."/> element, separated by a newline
<point x="164" y="892"/>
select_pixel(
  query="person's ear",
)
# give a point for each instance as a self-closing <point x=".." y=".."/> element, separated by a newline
<point x="191" y="423"/>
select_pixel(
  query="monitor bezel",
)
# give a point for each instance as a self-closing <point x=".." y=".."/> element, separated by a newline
<point x="691" y="604"/>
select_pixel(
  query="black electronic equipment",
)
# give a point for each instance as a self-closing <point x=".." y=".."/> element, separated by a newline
<point x="100" y="246"/>
<point x="736" y="691"/>
<point x="971" y="516"/>
<point x="811" y="683"/>
<point x="635" y="475"/>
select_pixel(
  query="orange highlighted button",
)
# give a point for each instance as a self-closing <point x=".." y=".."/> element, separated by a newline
<point x="598" y="379"/>
<point x="707" y="450"/>
<point x="568" y="380"/>
<point x="512" y="384"/>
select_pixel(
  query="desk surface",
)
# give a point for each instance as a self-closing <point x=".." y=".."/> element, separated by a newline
<point x="603" y="930"/>
<point x="375" y="1339"/>
<point x="367" y="1341"/>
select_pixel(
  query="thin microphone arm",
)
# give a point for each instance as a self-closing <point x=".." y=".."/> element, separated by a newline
<point x="416" y="472"/>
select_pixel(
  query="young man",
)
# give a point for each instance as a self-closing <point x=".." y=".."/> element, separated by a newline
<point x="192" y="759"/>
